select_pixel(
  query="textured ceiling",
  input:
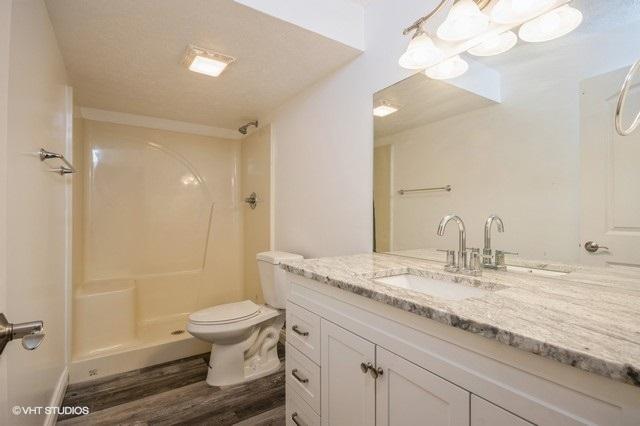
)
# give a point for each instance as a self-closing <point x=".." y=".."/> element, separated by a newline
<point x="422" y="100"/>
<point x="124" y="55"/>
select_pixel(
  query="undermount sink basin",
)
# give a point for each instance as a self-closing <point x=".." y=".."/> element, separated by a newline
<point x="534" y="271"/>
<point x="433" y="287"/>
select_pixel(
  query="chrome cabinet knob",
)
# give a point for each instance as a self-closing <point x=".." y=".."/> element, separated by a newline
<point x="592" y="247"/>
<point x="375" y="372"/>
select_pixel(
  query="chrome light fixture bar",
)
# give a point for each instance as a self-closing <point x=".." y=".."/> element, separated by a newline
<point x="483" y="28"/>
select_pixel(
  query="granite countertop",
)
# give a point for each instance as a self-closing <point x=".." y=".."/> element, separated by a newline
<point x="588" y="318"/>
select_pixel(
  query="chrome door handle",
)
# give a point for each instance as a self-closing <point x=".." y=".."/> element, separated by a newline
<point x="298" y="377"/>
<point x="297" y="330"/>
<point x="31" y="333"/>
<point x="592" y="247"/>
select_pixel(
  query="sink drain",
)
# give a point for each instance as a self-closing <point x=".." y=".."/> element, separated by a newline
<point x="177" y="332"/>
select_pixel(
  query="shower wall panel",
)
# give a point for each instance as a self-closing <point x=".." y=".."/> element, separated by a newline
<point x="162" y="208"/>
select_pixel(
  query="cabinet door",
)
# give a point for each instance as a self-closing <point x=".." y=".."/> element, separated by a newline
<point x="410" y="395"/>
<point x="484" y="413"/>
<point x="347" y="393"/>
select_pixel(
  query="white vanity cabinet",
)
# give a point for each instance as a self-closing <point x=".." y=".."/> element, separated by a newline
<point x="357" y="391"/>
<point x="407" y="394"/>
<point x="379" y="365"/>
<point x="348" y="392"/>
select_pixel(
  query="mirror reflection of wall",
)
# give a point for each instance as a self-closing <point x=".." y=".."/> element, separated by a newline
<point x="540" y="151"/>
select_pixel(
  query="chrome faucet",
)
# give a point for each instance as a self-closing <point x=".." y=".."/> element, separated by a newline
<point x="487" y="253"/>
<point x="491" y="260"/>
<point x="464" y="264"/>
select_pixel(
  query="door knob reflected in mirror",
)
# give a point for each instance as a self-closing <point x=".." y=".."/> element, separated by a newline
<point x="592" y="247"/>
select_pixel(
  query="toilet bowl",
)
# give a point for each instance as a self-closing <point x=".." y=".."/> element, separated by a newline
<point x="244" y="335"/>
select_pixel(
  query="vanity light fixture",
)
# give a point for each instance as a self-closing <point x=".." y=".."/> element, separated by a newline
<point x="451" y="68"/>
<point x="495" y="44"/>
<point x="421" y="52"/>
<point x="551" y="25"/>
<point x="384" y="109"/>
<point x="518" y="11"/>
<point x="204" y="61"/>
<point x="483" y="28"/>
<point x="465" y="20"/>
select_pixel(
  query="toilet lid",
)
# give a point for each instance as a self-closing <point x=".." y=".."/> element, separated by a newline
<point x="228" y="312"/>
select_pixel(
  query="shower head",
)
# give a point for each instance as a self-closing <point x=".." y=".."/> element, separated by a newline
<point x="243" y="129"/>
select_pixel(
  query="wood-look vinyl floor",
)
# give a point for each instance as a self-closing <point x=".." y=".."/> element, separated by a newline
<point x="176" y="393"/>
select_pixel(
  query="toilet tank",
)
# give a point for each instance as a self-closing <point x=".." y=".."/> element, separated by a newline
<point x="273" y="278"/>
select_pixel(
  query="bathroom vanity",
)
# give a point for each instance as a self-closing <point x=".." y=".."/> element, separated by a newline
<point x="381" y="339"/>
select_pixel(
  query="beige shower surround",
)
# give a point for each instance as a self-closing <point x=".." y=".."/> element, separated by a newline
<point x="146" y="219"/>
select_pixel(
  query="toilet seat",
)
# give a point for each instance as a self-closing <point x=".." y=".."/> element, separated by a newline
<point x="225" y="314"/>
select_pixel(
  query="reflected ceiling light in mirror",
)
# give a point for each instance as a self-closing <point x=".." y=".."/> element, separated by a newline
<point x="464" y="21"/>
<point x="451" y="68"/>
<point x="551" y="25"/>
<point x="518" y="11"/>
<point x="420" y="53"/>
<point x="495" y="45"/>
<point x="384" y="109"/>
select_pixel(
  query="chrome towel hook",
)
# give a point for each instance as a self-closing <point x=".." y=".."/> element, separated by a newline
<point x="621" y="101"/>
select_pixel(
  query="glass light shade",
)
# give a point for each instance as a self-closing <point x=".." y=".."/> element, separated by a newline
<point x="464" y="21"/>
<point x="551" y="25"/>
<point x="420" y="53"/>
<point x="451" y="68"/>
<point x="495" y="45"/>
<point x="516" y="11"/>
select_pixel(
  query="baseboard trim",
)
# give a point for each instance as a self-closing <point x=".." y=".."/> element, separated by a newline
<point x="57" y="397"/>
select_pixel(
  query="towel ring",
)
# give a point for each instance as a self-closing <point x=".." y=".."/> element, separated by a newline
<point x="623" y="95"/>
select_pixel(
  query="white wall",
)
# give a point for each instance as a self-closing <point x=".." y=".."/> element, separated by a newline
<point x="5" y="33"/>
<point x="323" y="141"/>
<point x="519" y="159"/>
<point x="36" y="206"/>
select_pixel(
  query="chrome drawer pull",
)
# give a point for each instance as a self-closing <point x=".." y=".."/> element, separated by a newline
<point x="298" y="377"/>
<point x="297" y="330"/>
<point x="294" y="417"/>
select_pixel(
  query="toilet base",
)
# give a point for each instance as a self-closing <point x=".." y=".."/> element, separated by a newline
<point x="248" y="360"/>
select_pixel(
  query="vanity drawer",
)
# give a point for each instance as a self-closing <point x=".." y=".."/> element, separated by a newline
<point x="299" y="411"/>
<point x="303" y="377"/>
<point x="303" y="331"/>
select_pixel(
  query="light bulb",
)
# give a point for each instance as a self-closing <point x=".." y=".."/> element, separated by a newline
<point x="451" y="68"/>
<point x="495" y="44"/>
<point x="464" y="21"/>
<point x="516" y="11"/>
<point x="420" y="53"/>
<point x="551" y="25"/>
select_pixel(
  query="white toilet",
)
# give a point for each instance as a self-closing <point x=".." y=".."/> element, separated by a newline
<point x="245" y="335"/>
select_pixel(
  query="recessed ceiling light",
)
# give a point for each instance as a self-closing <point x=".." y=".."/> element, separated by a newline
<point x="384" y="109"/>
<point x="205" y="61"/>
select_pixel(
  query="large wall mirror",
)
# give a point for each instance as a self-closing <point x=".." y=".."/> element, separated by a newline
<point x="527" y="135"/>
